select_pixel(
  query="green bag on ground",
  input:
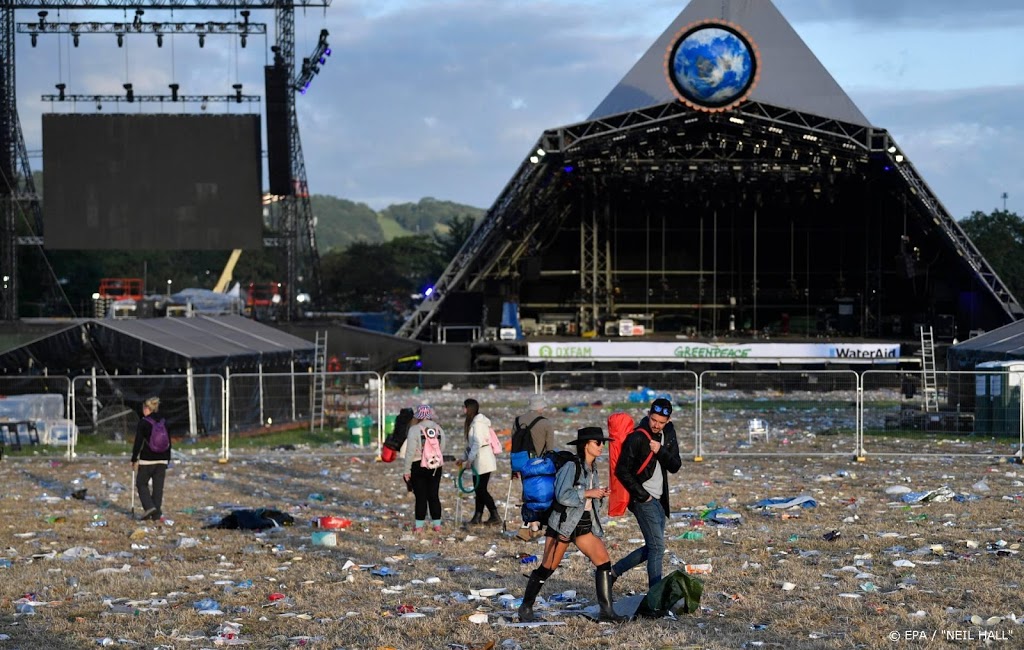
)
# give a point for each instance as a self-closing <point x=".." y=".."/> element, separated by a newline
<point x="677" y="592"/>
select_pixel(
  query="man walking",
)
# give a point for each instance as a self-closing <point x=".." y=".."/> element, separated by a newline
<point x="542" y="433"/>
<point x="648" y="455"/>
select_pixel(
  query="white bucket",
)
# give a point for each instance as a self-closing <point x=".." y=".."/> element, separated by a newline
<point x="325" y="538"/>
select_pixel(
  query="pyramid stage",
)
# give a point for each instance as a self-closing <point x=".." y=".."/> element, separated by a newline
<point x="726" y="192"/>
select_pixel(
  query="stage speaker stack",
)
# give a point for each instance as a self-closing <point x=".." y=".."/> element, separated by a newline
<point x="279" y="151"/>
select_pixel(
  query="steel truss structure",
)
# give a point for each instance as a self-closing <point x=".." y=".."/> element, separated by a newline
<point x="293" y="223"/>
<point x="672" y="154"/>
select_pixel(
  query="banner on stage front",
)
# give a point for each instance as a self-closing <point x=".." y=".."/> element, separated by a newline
<point x="713" y="351"/>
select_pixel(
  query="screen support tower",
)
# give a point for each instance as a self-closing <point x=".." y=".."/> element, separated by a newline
<point x="293" y="225"/>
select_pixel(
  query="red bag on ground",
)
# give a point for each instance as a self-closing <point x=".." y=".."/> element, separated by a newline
<point x="387" y="454"/>
<point x="620" y="425"/>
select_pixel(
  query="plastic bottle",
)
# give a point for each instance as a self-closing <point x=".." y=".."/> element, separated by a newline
<point x="697" y="568"/>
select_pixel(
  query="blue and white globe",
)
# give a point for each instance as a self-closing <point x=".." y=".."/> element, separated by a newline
<point x="712" y="66"/>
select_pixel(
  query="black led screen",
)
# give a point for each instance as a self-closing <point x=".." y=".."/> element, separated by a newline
<point x="152" y="182"/>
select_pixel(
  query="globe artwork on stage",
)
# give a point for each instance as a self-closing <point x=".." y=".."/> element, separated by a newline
<point x="712" y="66"/>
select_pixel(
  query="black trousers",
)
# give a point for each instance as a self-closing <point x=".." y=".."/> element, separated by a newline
<point x="425" y="486"/>
<point x="483" y="497"/>
<point x="156" y="474"/>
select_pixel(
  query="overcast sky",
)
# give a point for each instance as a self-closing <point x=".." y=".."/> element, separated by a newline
<point x="445" y="98"/>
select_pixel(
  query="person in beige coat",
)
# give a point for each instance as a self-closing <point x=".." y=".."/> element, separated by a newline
<point x="480" y="457"/>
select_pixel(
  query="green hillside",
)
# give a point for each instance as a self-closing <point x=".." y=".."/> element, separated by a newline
<point x="341" y="222"/>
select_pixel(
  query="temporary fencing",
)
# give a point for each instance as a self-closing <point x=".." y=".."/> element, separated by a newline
<point x="762" y="412"/>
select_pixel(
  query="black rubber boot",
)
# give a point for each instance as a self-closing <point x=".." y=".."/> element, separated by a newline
<point x="495" y="518"/>
<point x="603" y="585"/>
<point x="476" y="518"/>
<point x="533" y="587"/>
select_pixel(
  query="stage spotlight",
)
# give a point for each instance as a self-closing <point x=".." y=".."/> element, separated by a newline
<point x="99" y="106"/>
<point x="34" y="38"/>
<point x="534" y="159"/>
<point x="891" y="149"/>
<point x="129" y="92"/>
<point x="60" y="90"/>
<point x="120" y="39"/>
<point x="202" y="40"/>
<point x="74" y="40"/>
<point x="159" y="40"/>
<point x="42" y="19"/>
<point x="202" y="106"/>
<point x="238" y="92"/>
<point x="541" y="152"/>
<point x="174" y="91"/>
<point x="899" y="158"/>
<point x="242" y="40"/>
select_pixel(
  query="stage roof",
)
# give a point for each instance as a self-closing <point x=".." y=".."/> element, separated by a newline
<point x="791" y="76"/>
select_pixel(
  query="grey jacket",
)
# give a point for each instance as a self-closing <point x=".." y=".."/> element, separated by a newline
<point x="571" y="496"/>
<point x="413" y="442"/>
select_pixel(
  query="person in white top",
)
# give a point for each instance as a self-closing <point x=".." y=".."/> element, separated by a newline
<point x="480" y="457"/>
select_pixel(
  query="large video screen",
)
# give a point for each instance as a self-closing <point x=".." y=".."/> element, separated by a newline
<point x="152" y="182"/>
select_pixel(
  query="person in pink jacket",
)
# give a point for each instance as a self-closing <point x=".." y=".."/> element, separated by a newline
<point x="481" y="458"/>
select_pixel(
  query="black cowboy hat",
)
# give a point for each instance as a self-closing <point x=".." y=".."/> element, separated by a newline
<point x="586" y="434"/>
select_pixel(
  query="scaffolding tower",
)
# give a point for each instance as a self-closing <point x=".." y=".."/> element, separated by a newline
<point x="292" y="225"/>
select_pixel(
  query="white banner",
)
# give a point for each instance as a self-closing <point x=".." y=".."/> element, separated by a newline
<point x="874" y="352"/>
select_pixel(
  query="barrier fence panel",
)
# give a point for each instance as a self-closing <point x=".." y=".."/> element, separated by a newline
<point x="782" y="412"/>
<point x="36" y="410"/>
<point x="111" y="405"/>
<point x="586" y="398"/>
<point x="502" y="396"/>
<point x="979" y="413"/>
<point x="282" y="401"/>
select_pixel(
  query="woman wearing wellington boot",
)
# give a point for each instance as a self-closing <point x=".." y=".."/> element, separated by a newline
<point x="574" y="520"/>
<point x="480" y="457"/>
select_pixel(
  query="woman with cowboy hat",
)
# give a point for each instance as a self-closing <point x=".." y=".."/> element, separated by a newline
<point x="574" y="519"/>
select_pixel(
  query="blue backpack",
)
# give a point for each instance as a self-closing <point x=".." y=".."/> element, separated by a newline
<point x="539" y="484"/>
<point x="159" y="440"/>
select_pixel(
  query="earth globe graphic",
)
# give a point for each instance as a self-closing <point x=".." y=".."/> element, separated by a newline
<point x="712" y="66"/>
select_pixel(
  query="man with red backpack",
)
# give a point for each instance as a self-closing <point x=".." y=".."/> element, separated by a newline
<point x="151" y="455"/>
<point x="645" y="460"/>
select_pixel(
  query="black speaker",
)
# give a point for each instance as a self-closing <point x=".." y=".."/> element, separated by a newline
<point x="493" y="304"/>
<point x="462" y="308"/>
<point x="279" y="149"/>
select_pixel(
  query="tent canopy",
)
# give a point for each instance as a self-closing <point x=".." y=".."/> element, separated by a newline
<point x="206" y="343"/>
<point x="1005" y="343"/>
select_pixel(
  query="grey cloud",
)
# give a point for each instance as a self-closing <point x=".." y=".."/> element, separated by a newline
<point x="965" y="144"/>
<point x="919" y="14"/>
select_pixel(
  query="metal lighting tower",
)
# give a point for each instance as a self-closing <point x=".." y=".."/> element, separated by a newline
<point x="293" y="224"/>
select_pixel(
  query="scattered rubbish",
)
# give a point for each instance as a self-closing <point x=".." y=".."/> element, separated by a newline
<point x="325" y="538"/>
<point x="332" y="523"/>
<point x="831" y="535"/>
<point x="698" y="569"/>
<point x="804" y="501"/>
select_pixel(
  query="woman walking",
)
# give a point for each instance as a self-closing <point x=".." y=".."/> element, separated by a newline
<point x="574" y="519"/>
<point x="481" y="458"/>
<point x="424" y="459"/>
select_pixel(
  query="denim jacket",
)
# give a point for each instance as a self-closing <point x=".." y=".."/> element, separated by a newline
<point x="571" y="496"/>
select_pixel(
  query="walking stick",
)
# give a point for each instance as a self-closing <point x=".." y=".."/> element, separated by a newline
<point x="504" y="520"/>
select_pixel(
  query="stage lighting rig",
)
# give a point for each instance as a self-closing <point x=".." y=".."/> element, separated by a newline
<point x="243" y="29"/>
<point x="311" y="64"/>
<point x="130" y="96"/>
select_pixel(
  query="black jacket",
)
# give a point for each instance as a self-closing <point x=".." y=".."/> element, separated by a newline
<point x="635" y="449"/>
<point x="141" y="450"/>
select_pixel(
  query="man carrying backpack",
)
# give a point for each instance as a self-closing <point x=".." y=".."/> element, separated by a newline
<point x="647" y="456"/>
<point x="534" y="434"/>
<point x="151" y="454"/>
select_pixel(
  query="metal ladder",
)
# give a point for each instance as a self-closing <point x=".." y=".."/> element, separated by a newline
<point x="319" y="381"/>
<point x="929" y="383"/>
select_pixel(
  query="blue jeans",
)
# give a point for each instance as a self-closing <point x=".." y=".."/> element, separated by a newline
<point x="651" y="518"/>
